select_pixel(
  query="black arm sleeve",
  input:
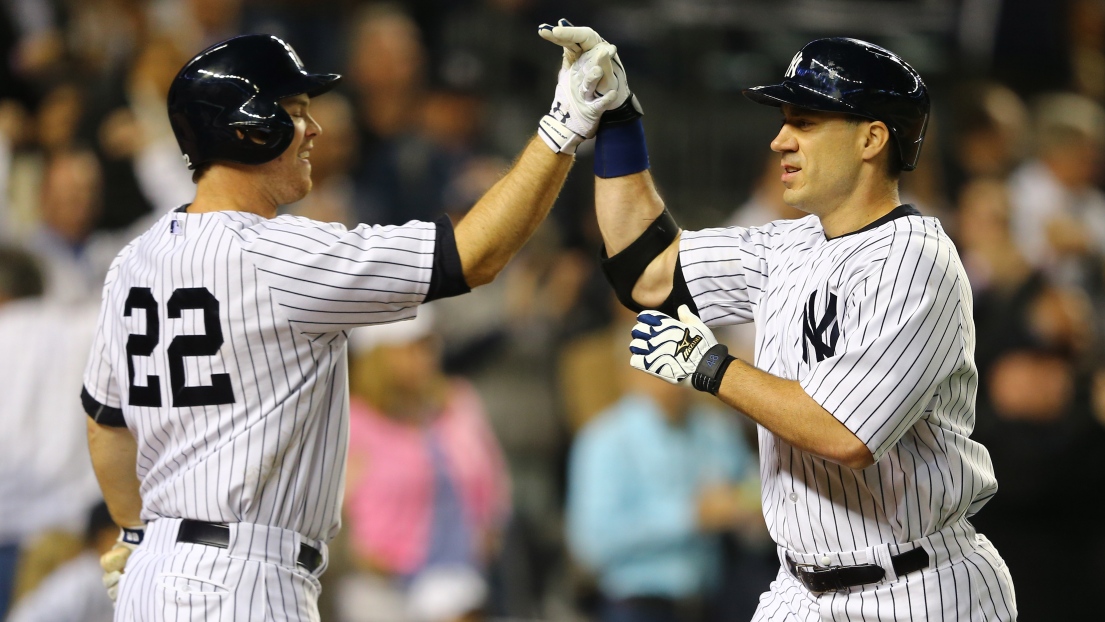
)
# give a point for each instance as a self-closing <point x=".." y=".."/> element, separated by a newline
<point x="680" y="294"/>
<point x="447" y="277"/>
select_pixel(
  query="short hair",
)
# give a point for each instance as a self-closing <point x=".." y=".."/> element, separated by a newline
<point x="197" y="174"/>
<point x="20" y="274"/>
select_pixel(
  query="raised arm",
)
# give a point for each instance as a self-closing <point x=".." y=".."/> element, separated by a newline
<point x="625" y="207"/>
<point x="642" y="254"/>
<point x="505" y="217"/>
<point x="508" y="214"/>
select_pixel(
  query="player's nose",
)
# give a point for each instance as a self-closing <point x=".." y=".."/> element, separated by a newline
<point x="313" y="128"/>
<point x="784" y="141"/>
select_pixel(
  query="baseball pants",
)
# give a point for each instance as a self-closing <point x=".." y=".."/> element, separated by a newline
<point x="254" y="579"/>
<point x="966" y="581"/>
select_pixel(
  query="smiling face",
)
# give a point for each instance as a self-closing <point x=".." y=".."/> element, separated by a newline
<point x="288" y="177"/>
<point x="822" y="156"/>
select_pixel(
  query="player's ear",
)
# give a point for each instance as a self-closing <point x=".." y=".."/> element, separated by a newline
<point x="876" y="140"/>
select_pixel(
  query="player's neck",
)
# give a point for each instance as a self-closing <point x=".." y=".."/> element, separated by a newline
<point x="226" y="189"/>
<point x="863" y="207"/>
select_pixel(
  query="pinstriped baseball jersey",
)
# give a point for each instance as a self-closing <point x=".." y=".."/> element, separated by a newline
<point x="222" y="346"/>
<point x="876" y="326"/>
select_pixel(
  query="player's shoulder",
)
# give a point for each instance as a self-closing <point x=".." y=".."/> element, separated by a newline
<point x="769" y="234"/>
<point x="904" y="231"/>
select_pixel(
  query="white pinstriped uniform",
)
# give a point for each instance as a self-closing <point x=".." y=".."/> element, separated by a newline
<point x="877" y="327"/>
<point x="250" y="431"/>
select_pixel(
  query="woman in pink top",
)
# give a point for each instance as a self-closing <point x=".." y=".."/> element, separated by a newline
<point x="427" y="486"/>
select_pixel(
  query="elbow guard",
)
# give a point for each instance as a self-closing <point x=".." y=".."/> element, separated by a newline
<point x="624" y="269"/>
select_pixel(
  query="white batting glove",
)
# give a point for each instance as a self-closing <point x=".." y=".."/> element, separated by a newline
<point x="668" y="348"/>
<point x="576" y="40"/>
<point x="114" y="561"/>
<point x="577" y="107"/>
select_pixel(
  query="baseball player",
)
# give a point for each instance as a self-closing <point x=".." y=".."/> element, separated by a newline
<point x="219" y="369"/>
<point x="864" y="379"/>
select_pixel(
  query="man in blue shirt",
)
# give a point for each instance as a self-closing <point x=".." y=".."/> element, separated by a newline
<point x="652" y="481"/>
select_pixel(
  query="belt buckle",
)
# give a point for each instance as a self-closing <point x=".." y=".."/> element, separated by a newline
<point x="825" y="576"/>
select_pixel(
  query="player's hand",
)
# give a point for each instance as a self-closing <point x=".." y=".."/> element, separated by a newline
<point x="576" y="40"/>
<point x="114" y="561"/>
<point x="670" y="348"/>
<point x="577" y="107"/>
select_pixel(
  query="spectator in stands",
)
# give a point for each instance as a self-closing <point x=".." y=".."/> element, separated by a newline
<point x="401" y="175"/>
<point x="45" y="477"/>
<point x="75" y="592"/>
<point x="1058" y="213"/>
<point x="652" y="481"/>
<point x="427" y="489"/>
<point x="70" y="204"/>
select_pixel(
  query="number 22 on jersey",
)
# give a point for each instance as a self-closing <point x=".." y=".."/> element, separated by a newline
<point x="206" y="344"/>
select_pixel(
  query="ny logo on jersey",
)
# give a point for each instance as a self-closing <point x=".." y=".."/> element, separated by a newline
<point x="813" y="334"/>
<point x="687" y="344"/>
<point x="792" y="69"/>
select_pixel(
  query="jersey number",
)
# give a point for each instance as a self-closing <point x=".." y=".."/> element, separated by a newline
<point x="207" y="344"/>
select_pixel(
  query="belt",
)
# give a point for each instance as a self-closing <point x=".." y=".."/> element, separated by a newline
<point x="218" y="535"/>
<point x="826" y="579"/>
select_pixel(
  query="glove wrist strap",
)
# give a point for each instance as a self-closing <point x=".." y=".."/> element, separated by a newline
<point x="711" y="369"/>
<point x="557" y="135"/>
<point x="622" y="114"/>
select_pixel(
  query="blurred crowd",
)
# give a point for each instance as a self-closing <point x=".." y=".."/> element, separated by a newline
<point x="525" y="473"/>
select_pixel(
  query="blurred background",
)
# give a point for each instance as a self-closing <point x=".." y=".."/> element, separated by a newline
<point x="529" y="476"/>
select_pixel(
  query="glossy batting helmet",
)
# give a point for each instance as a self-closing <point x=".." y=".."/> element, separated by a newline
<point x="235" y="86"/>
<point x="859" y="78"/>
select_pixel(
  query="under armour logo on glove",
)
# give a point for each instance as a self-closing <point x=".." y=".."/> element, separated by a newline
<point x="564" y="115"/>
<point x="813" y="335"/>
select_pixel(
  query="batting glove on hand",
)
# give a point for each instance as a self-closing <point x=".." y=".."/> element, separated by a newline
<point x="669" y="348"/>
<point x="577" y="105"/>
<point x="114" y="561"/>
<point x="576" y="40"/>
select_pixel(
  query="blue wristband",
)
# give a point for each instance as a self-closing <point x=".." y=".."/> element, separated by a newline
<point x="620" y="149"/>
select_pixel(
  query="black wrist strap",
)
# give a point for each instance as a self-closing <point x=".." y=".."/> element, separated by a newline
<point x="622" y="114"/>
<point x="711" y="369"/>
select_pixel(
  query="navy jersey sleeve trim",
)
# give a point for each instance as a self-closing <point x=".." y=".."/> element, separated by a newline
<point x="447" y="276"/>
<point x="101" y="414"/>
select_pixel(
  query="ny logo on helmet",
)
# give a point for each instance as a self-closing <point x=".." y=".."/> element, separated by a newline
<point x="792" y="70"/>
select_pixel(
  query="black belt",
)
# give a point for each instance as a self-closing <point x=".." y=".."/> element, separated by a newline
<point x="218" y="535"/>
<point x="826" y="579"/>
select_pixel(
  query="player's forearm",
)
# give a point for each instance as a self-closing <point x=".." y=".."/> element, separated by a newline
<point x="625" y="206"/>
<point x="114" y="455"/>
<point x="783" y="407"/>
<point x="508" y="214"/>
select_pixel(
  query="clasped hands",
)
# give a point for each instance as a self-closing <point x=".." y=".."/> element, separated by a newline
<point x="591" y="82"/>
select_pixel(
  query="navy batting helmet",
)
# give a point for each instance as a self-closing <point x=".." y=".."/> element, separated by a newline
<point x="235" y="86"/>
<point x="859" y="78"/>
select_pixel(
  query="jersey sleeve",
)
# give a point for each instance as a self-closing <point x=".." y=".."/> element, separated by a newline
<point x="328" y="278"/>
<point x="726" y="271"/>
<point x="100" y="395"/>
<point x="903" y="332"/>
